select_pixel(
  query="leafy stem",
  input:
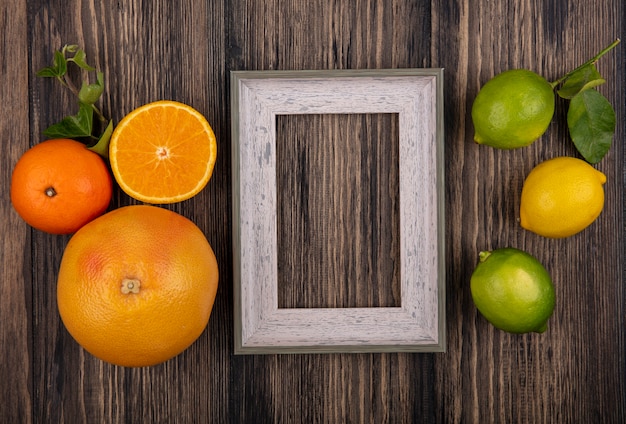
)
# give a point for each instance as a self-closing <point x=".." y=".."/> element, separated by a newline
<point x="591" y="61"/>
<point x="590" y="116"/>
<point x="81" y="124"/>
<point x="67" y="83"/>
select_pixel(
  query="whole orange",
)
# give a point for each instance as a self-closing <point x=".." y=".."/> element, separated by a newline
<point x="136" y="286"/>
<point x="59" y="185"/>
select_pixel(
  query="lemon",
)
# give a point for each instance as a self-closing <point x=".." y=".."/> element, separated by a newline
<point x="513" y="109"/>
<point x="513" y="291"/>
<point x="561" y="197"/>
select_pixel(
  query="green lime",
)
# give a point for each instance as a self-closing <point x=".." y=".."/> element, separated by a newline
<point x="513" y="291"/>
<point x="513" y="109"/>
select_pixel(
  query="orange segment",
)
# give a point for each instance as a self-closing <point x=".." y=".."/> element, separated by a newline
<point x="163" y="152"/>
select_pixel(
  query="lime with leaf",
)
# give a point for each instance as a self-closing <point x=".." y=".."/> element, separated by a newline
<point x="515" y="108"/>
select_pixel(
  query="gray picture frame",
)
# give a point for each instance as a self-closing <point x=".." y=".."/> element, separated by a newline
<point x="418" y="324"/>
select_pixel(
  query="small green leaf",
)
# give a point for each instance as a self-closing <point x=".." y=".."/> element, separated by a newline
<point x="75" y="126"/>
<point x="71" y="48"/>
<point x="591" y="122"/>
<point x="90" y="93"/>
<point x="48" y="71"/>
<point x="102" y="146"/>
<point x="80" y="59"/>
<point x="59" y="63"/>
<point x="582" y="79"/>
<point x="58" y="68"/>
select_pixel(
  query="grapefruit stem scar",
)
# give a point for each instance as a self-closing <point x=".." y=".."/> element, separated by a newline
<point x="130" y="285"/>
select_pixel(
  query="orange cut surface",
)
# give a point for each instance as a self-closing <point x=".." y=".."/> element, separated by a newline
<point x="163" y="152"/>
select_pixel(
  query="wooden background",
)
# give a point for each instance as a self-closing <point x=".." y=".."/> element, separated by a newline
<point x="184" y="50"/>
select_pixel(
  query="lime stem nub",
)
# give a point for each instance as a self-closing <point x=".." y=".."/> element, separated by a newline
<point x="482" y="256"/>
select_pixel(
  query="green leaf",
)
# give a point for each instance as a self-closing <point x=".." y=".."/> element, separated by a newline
<point x="79" y="125"/>
<point x="582" y="79"/>
<point x="80" y="59"/>
<point x="90" y="93"/>
<point x="102" y="146"/>
<point x="48" y="71"/>
<point x="71" y="48"/>
<point x="591" y="122"/>
<point x="58" y="68"/>
<point x="60" y="63"/>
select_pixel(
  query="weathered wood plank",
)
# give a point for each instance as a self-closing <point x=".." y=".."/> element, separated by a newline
<point x="157" y="50"/>
<point x="339" y="241"/>
<point x="567" y="373"/>
<point x="336" y="35"/>
<point x="16" y="290"/>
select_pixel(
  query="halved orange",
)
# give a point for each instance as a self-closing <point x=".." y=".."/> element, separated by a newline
<point x="163" y="152"/>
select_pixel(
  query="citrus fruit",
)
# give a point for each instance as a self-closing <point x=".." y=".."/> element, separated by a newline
<point x="513" y="109"/>
<point x="513" y="290"/>
<point x="561" y="197"/>
<point x="136" y="286"/>
<point x="163" y="152"/>
<point x="59" y="185"/>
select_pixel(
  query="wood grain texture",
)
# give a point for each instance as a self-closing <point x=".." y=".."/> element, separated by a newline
<point x="184" y="50"/>
<point x="15" y="252"/>
<point x="340" y="245"/>
<point x="532" y="378"/>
